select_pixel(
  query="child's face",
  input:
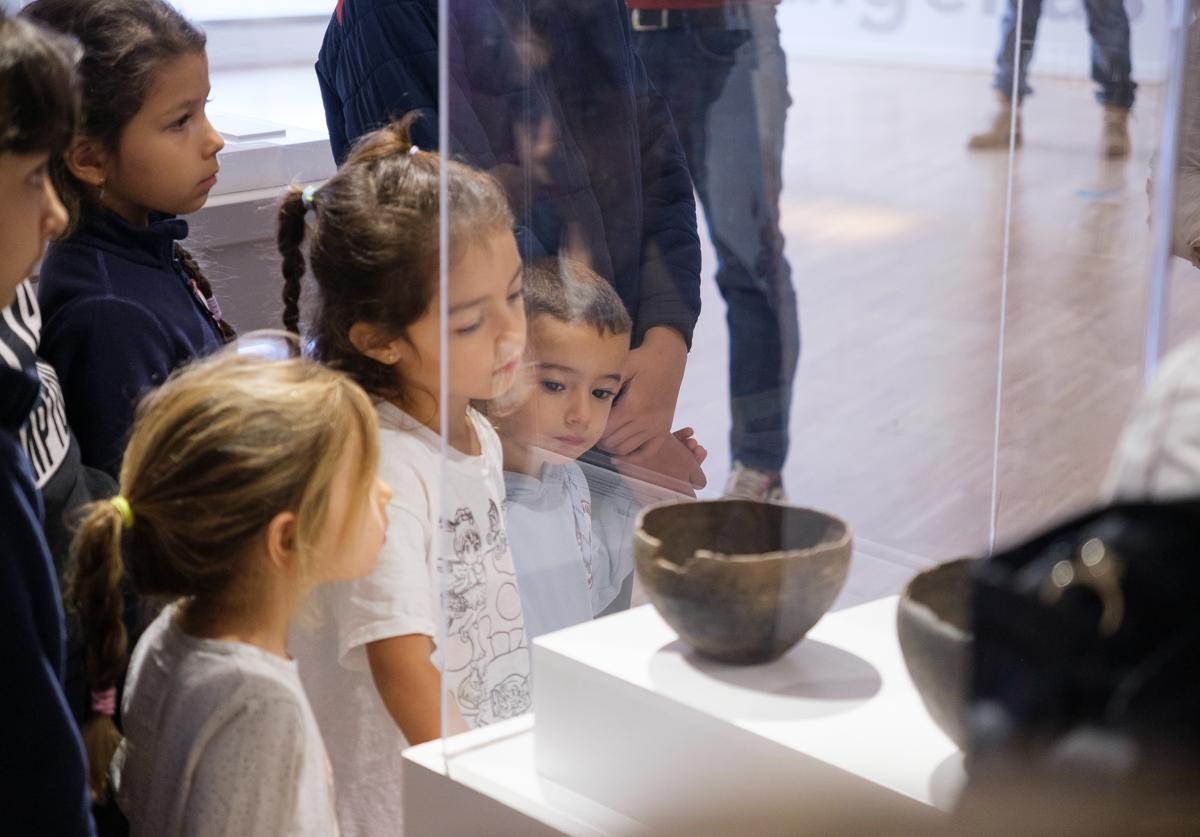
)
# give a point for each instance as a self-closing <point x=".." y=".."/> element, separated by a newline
<point x="166" y="159"/>
<point x="30" y="213"/>
<point x="354" y="531"/>
<point x="485" y="327"/>
<point x="575" y="373"/>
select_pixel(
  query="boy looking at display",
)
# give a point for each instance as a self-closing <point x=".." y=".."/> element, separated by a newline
<point x="574" y="559"/>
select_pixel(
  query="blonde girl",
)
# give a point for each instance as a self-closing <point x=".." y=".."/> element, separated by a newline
<point x="247" y="482"/>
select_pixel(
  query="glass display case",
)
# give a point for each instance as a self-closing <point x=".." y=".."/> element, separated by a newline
<point x="905" y="303"/>
<point x="726" y="256"/>
<point x="720" y="351"/>
<point x="698" y="330"/>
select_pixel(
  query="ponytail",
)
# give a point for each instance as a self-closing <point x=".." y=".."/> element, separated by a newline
<point x="391" y="141"/>
<point x="95" y="593"/>
<point x="290" y="238"/>
<point x="216" y="452"/>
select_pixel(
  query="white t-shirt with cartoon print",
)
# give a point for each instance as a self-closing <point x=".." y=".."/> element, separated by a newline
<point x="481" y="644"/>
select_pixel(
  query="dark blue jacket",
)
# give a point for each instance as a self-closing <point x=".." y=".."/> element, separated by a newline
<point x="63" y="481"/>
<point x="549" y="96"/>
<point x="119" y="316"/>
<point x="43" y="771"/>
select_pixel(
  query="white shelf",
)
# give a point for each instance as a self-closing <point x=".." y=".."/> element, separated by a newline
<point x="484" y="782"/>
<point x="634" y="734"/>
<point x="629" y="716"/>
<point x="270" y="157"/>
<point x="254" y="174"/>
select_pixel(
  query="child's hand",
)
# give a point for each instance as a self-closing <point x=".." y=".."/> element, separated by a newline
<point x="641" y="417"/>
<point x="687" y="436"/>
<point x="673" y="470"/>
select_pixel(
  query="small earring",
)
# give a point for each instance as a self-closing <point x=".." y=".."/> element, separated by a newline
<point x="389" y="358"/>
<point x="102" y="182"/>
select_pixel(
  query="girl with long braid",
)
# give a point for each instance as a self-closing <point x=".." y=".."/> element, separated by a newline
<point x="123" y="303"/>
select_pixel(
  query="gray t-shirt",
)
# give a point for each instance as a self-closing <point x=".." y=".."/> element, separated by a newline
<point x="219" y="741"/>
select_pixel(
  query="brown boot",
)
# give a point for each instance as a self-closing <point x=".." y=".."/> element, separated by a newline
<point x="1115" y="138"/>
<point x="997" y="135"/>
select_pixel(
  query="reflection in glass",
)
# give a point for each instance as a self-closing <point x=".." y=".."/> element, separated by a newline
<point x="723" y="74"/>
<point x="1111" y="69"/>
<point x="1157" y="458"/>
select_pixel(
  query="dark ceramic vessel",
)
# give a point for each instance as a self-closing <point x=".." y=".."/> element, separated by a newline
<point x="934" y="625"/>
<point x="739" y="581"/>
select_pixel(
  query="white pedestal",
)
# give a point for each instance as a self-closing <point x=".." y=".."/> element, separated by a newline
<point x="630" y="717"/>
<point x="260" y="154"/>
<point x="484" y="783"/>
<point x="635" y="735"/>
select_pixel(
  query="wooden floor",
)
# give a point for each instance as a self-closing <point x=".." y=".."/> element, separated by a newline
<point x="895" y="237"/>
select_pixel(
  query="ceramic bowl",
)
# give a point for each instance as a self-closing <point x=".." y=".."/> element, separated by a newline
<point x="740" y="581"/>
<point x="934" y="625"/>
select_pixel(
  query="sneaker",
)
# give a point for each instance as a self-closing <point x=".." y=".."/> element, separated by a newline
<point x="751" y="484"/>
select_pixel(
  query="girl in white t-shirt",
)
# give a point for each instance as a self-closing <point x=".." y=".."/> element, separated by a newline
<point x="440" y="617"/>
<point x="247" y="481"/>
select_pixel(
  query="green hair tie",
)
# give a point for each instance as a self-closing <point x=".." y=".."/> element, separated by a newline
<point x="122" y="505"/>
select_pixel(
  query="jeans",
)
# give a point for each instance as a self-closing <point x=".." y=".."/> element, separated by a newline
<point x="1108" y="25"/>
<point x="726" y="86"/>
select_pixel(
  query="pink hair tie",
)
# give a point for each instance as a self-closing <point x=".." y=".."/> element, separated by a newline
<point x="105" y="703"/>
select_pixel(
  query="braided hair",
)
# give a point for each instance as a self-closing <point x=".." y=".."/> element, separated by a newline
<point x="191" y="269"/>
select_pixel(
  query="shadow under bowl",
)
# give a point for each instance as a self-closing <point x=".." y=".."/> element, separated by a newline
<point x="740" y="581"/>
<point x="933" y="622"/>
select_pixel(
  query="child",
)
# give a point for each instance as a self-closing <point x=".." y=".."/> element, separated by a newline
<point x="574" y="560"/>
<point x="41" y="756"/>
<point x="373" y="249"/>
<point x="123" y="303"/>
<point x="247" y="482"/>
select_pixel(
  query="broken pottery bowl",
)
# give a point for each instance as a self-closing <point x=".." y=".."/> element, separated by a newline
<point x="933" y="621"/>
<point x="741" y="581"/>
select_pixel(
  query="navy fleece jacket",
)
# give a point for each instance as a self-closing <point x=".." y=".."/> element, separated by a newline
<point x="119" y="315"/>
<point x="43" y="772"/>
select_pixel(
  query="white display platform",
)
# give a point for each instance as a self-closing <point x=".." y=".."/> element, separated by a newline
<point x="259" y="161"/>
<point x="484" y="782"/>
<point x="631" y="717"/>
<point x="260" y="154"/>
<point x="634" y="734"/>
